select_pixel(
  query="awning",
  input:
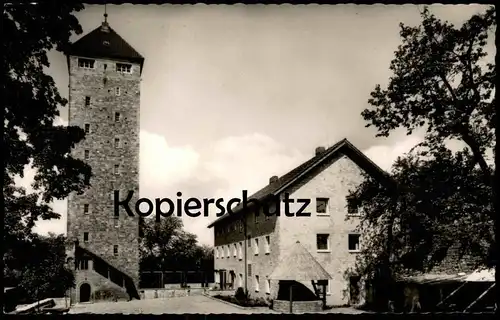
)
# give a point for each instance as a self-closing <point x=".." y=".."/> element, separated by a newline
<point x="299" y="265"/>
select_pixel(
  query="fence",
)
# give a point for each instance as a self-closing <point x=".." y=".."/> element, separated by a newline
<point x="159" y="279"/>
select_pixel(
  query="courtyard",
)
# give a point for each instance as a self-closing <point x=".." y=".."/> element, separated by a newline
<point x="191" y="304"/>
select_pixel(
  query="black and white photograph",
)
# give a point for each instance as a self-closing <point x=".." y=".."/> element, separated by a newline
<point x="249" y="159"/>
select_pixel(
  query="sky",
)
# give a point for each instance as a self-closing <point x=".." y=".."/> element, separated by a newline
<point x="232" y="95"/>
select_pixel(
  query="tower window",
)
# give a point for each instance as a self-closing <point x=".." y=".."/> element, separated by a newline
<point x="86" y="63"/>
<point x="117" y="143"/>
<point x="117" y="91"/>
<point x="85" y="237"/>
<point x="117" y="169"/>
<point x="86" y="154"/>
<point x="87" y="128"/>
<point x="115" y="250"/>
<point x="87" y="101"/>
<point x="83" y="264"/>
<point x="86" y="208"/>
<point x="117" y="116"/>
<point x="124" y="68"/>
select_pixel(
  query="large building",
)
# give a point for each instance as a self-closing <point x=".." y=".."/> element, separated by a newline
<point x="104" y="100"/>
<point x="249" y="246"/>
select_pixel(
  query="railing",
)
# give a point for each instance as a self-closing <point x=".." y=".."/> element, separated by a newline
<point x="160" y="279"/>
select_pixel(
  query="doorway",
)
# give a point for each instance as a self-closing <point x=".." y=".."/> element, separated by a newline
<point x="85" y="292"/>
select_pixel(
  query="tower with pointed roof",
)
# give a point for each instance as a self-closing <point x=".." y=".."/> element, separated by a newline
<point x="104" y="100"/>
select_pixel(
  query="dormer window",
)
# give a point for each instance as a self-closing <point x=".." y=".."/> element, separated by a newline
<point x="124" y="68"/>
<point x="86" y="63"/>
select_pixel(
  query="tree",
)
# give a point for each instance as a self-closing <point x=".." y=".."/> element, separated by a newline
<point x="30" y="103"/>
<point x="443" y="83"/>
<point x="45" y="273"/>
<point x="165" y="246"/>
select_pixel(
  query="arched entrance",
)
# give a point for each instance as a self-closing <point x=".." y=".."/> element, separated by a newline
<point x="85" y="292"/>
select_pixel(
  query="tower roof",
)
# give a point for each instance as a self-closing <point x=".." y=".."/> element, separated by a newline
<point x="104" y="42"/>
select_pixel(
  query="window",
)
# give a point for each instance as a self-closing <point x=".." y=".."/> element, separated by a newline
<point x="322" y="206"/>
<point x="115" y="250"/>
<point x="235" y="250"/>
<point x="352" y="208"/>
<point x="354" y="242"/>
<point x="83" y="264"/>
<point x="124" y="68"/>
<point x="117" y="143"/>
<point x="241" y="226"/>
<point x="249" y="244"/>
<point x="116" y="221"/>
<point x="240" y="251"/>
<point x="105" y="66"/>
<point x="86" y="154"/>
<point x="267" y="245"/>
<point x="117" y="116"/>
<point x="256" y="217"/>
<point x="256" y="283"/>
<point x="227" y="252"/>
<point x="240" y="282"/>
<point x="86" y="208"/>
<point x="322" y="242"/>
<point x="256" y="246"/>
<point x="216" y="251"/>
<point x="87" y="128"/>
<point x="268" y="286"/>
<point x="85" y="237"/>
<point x="222" y="252"/>
<point x="106" y="43"/>
<point x="86" y="63"/>
<point x="319" y="286"/>
<point x="117" y="169"/>
<point x="249" y="269"/>
<point x="87" y="101"/>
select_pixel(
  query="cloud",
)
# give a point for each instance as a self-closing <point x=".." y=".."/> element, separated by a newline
<point x="385" y="155"/>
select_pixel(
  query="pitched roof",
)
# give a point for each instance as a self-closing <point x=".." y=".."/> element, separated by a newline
<point x="104" y="42"/>
<point x="292" y="177"/>
<point x="299" y="265"/>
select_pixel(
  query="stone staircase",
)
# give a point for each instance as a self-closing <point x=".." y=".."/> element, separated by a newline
<point x="108" y="271"/>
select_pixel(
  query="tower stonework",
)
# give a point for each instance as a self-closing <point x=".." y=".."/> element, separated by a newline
<point x="104" y="100"/>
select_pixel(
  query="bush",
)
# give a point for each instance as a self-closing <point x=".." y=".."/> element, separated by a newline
<point x="240" y="294"/>
<point x="110" y="294"/>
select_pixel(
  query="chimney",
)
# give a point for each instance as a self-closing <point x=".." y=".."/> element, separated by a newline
<point x="273" y="179"/>
<point x="320" y="150"/>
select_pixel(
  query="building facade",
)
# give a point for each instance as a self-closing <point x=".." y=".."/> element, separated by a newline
<point x="104" y="100"/>
<point x="249" y="246"/>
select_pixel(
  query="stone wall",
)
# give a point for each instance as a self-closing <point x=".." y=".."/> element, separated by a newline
<point x="283" y="306"/>
<point x="171" y="293"/>
<point x="100" y="85"/>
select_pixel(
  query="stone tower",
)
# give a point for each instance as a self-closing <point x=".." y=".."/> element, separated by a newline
<point x="104" y="98"/>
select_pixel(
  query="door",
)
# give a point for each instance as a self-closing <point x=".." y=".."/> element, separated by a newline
<point x="85" y="292"/>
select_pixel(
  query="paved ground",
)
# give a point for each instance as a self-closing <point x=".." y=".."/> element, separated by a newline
<point x="192" y="304"/>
